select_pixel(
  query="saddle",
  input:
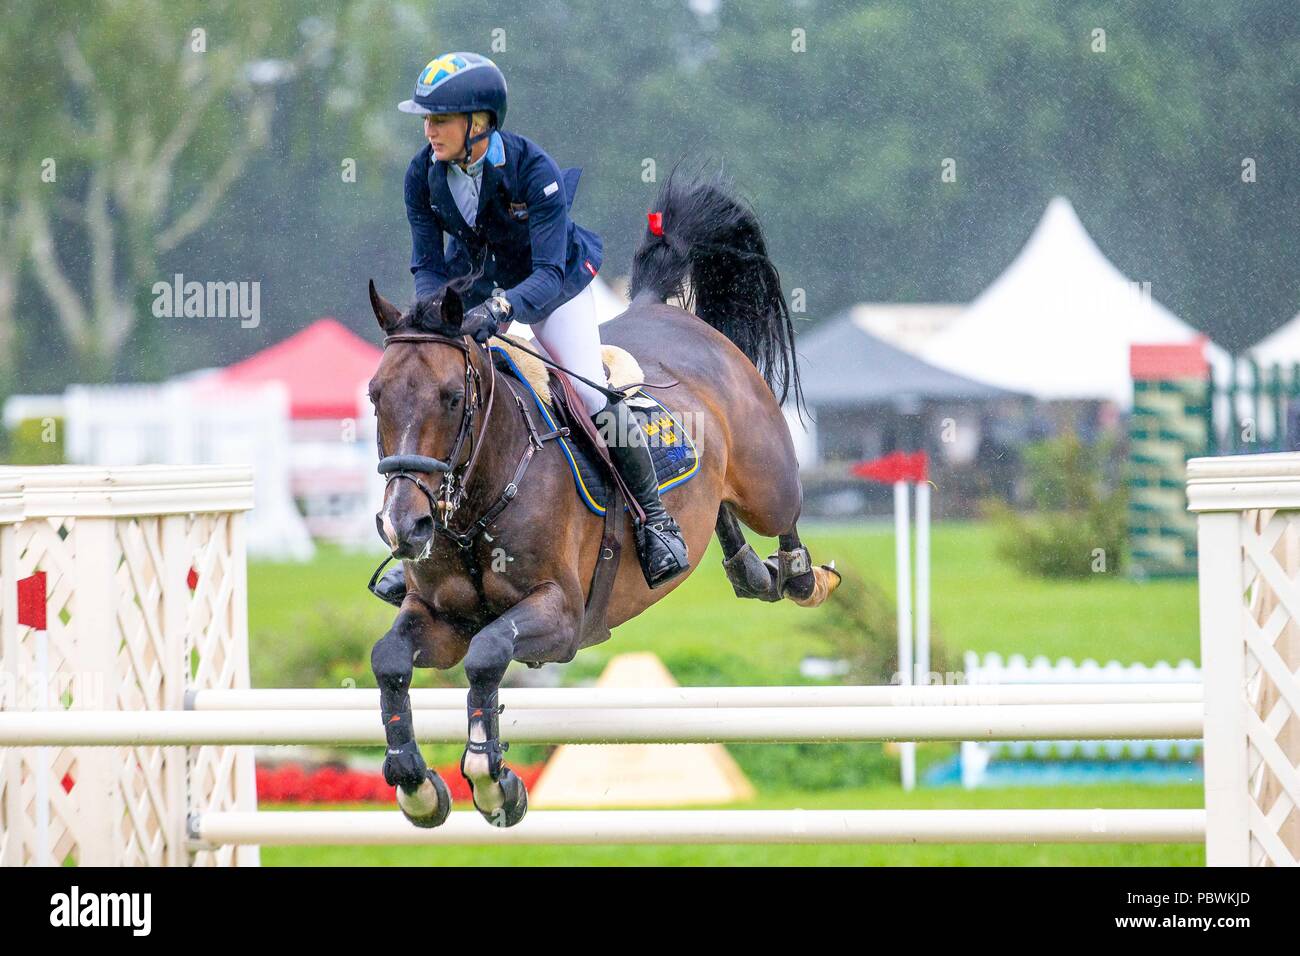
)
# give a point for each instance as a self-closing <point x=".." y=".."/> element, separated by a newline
<point x="672" y="448"/>
<point x="556" y="390"/>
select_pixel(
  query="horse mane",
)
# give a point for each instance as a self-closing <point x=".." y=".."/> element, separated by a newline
<point x="425" y="314"/>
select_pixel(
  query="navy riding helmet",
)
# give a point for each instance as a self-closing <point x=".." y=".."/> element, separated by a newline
<point x="460" y="83"/>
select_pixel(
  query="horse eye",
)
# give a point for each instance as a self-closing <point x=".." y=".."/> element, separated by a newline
<point x="454" y="400"/>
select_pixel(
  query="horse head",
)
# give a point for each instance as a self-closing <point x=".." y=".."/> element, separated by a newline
<point x="425" y="394"/>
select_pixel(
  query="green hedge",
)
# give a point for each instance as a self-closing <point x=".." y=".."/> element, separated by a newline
<point x="35" y="441"/>
<point x="1079" y="526"/>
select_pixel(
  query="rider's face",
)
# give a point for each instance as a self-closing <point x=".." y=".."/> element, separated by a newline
<point x="446" y="134"/>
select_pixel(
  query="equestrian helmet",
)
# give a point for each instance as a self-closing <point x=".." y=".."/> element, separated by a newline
<point x="459" y="83"/>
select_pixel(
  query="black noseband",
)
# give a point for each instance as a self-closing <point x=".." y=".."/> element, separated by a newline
<point x="420" y="464"/>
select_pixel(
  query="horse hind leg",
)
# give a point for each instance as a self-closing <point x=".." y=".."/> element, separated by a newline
<point x="797" y="578"/>
<point x="788" y="573"/>
<point x="750" y="577"/>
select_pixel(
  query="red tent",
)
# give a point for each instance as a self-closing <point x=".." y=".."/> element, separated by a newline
<point x="323" y="367"/>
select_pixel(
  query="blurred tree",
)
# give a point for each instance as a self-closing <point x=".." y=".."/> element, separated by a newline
<point x="26" y="120"/>
<point x="835" y="116"/>
<point x="157" y="108"/>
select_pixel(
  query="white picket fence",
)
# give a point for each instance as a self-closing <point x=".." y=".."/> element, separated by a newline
<point x="992" y="670"/>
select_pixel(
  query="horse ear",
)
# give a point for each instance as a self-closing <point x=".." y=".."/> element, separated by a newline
<point x="453" y="309"/>
<point x="387" y="313"/>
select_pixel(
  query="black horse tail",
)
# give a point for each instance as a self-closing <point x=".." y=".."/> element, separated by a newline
<point x="713" y="257"/>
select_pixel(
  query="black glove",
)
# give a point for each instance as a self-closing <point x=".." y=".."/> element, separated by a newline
<point x="482" y="320"/>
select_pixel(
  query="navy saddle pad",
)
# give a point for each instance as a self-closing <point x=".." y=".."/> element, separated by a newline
<point x="674" y="455"/>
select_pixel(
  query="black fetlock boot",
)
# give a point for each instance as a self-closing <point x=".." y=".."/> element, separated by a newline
<point x="659" y="542"/>
<point x="514" y="795"/>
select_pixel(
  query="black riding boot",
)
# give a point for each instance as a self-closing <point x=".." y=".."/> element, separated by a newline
<point x="391" y="587"/>
<point x="659" y="542"/>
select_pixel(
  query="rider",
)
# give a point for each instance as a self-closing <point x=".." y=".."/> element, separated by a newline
<point x="503" y="206"/>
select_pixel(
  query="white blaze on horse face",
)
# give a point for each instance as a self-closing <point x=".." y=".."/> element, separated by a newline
<point x="390" y="532"/>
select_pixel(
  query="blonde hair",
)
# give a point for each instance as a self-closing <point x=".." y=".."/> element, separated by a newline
<point x="478" y="122"/>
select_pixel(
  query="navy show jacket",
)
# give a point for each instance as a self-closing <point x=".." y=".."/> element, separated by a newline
<point x="534" y="251"/>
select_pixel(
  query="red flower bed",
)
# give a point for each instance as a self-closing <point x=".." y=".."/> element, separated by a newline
<point x="291" y="783"/>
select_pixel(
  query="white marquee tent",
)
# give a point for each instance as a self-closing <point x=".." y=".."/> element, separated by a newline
<point x="1281" y="346"/>
<point x="1058" y="323"/>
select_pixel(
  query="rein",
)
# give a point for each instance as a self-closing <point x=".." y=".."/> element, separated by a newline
<point x="613" y="394"/>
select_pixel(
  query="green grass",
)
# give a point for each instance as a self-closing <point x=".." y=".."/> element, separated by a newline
<point x="1046" y="854"/>
<point x="706" y="635"/>
<point x="979" y="603"/>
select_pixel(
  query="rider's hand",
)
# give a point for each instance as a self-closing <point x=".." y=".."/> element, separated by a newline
<point x="482" y="320"/>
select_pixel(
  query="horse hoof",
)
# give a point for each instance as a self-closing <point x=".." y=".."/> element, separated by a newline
<point x="432" y="793"/>
<point x="825" y="580"/>
<point x="515" y="802"/>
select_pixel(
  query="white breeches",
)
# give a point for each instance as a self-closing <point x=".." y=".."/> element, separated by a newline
<point x="569" y="335"/>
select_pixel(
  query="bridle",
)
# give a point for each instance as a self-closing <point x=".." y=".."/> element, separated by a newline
<point x="456" y="478"/>
<point x="451" y="489"/>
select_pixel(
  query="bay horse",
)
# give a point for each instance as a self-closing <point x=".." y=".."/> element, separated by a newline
<point x="511" y="583"/>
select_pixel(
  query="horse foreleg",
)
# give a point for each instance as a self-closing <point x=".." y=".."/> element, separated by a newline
<point x="421" y="794"/>
<point x="539" y="628"/>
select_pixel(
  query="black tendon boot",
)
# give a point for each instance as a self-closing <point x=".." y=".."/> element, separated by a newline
<point x="659" y="542"/>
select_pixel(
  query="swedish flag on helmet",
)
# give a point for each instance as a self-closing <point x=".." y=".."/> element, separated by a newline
<point x="459" y="83"/>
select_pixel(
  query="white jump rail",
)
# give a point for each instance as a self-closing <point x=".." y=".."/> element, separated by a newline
<point x="586" y="726"/>
<point x="577" y="827"/>
<point x="702" y="698"/>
